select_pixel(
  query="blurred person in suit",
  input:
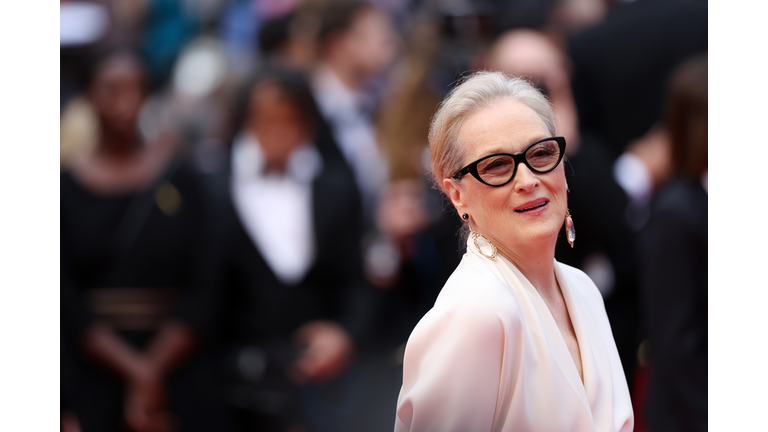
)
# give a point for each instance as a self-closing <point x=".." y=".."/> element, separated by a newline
<point x="284" y="275"/>
<point x="356" y="43"/>
<point x="605" y="248"/>
<point x="673" y="263"/>
<point x="621" y="66"/>
<point x="130" y="219"/>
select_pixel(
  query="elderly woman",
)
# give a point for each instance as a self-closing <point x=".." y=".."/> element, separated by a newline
<point x="515" y="341"/>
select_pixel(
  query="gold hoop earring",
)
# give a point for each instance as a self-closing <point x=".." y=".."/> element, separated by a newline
<point x="570" y="231"/>
<point x="475" y="236"/>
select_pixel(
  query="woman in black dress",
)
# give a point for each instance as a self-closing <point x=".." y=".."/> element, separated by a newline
<point x="129" y="217"/>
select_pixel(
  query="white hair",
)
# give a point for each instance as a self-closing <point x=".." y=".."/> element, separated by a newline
<point x="478" y="91"/>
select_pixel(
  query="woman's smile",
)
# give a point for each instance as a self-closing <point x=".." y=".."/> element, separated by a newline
<point x="533" y="208"/>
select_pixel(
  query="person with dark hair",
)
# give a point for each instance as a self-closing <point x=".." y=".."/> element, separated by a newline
<point x="130" y="218"/>
<point x="285" y="274"/>
<point x="673" y="262"/>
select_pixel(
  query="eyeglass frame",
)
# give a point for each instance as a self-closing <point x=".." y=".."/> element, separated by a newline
<point x="517" y="157"/>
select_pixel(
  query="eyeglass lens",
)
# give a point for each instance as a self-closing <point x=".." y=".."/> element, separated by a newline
<point x="541" y="157"/>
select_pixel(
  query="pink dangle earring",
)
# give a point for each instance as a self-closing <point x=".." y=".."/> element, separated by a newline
<point x="570" y="231"/>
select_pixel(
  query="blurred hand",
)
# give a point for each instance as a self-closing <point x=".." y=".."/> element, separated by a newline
<point x="145" y="403"/>
<point x="327" y="352"/>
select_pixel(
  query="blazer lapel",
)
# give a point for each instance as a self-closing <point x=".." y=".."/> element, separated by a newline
<point x="323" y="208"/>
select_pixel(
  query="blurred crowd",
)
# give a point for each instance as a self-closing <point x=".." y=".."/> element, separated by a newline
<point x="249" y="229"/>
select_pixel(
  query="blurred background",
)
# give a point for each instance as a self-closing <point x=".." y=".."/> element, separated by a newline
<point x="249" y="230"/>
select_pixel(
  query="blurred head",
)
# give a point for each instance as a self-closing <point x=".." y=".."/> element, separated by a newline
<point x="530" y="53"/>
<point x="116" y="89"/>
<point x="280" y="111"/>
<point x="687" y="117"/>
<point x="358" y="35"/>
<point x="493" y="113"/>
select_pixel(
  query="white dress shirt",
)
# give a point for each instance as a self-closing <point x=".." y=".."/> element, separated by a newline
<point x="276" y="208"/>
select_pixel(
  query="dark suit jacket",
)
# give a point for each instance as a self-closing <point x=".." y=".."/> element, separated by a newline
<point x="621" y="65"/>
<point x="673" y="258"/>
<point x="244" y="300"/>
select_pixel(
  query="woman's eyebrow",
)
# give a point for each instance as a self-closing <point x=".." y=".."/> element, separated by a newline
<point x="497" y="150"/>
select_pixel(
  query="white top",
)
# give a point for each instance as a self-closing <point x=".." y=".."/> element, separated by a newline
<point x="490" y="357"/>
<point x="276" y="208"/>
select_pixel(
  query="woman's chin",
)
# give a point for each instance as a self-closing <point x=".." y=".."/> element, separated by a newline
<point x="534" y="235"/>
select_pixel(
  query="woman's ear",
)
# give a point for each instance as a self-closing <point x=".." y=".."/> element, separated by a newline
<point x="454" y="193"/>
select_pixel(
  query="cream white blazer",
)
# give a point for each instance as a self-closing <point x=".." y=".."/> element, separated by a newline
<point x="490" y="357"/>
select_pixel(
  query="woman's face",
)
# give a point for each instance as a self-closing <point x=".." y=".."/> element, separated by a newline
<point x="117" y="93"/>
<point x="371" y="42"/>
<point x="499" y="213"/>
<point x="277" y="123"/>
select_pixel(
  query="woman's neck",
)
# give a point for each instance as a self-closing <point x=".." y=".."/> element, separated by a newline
<point x="118" y="147"/>
<point x="346" y="74"/>
<point x="536" y="262"/>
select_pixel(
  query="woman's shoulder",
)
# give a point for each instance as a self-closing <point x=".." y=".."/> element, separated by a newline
<point x="472" y="311"/>
<point x="453" y="361"/>
<point x="476" y="288"/>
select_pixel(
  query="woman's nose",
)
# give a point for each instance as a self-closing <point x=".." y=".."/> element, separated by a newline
<point x="525" y="180"/>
